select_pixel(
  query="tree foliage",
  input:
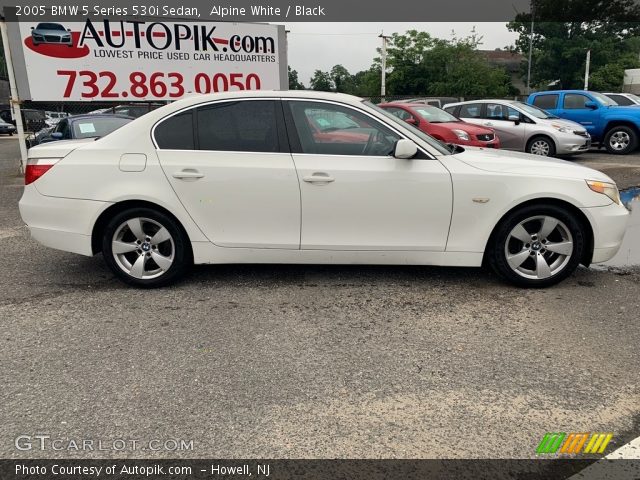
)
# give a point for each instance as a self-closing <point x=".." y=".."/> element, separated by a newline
<point x="294" y="83"/>
<point x="419" y="64"/>
<point x="565" y="30"/>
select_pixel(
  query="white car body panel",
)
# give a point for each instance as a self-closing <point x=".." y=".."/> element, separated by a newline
<point x="374" y="203"/>
<point x="378" y="210"/>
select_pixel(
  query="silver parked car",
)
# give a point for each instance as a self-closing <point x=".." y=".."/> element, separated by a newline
<point x="524" y="127"/>
<point x="624" y="99"/>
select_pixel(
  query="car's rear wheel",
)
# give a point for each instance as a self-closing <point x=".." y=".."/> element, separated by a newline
<point x="145" y="247"/>
<point x="537" y="246"/>
<point x="542" y="146"/>
<point x="621" y="140"/>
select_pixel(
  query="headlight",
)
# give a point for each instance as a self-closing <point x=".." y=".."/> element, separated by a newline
<point x="461" y="134"/>
<point x="608" y="189"/>
<point x="562" y="128"/>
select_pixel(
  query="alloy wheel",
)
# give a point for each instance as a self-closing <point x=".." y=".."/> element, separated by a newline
<point x="539" y="247"/>
<point x="143" y="248"/>
<point x="619" y="140"/>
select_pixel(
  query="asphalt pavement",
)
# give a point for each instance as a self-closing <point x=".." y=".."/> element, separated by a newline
<point x="309" y="361"/>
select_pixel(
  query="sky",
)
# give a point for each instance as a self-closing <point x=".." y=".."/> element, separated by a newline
<point x="320" y="46"/>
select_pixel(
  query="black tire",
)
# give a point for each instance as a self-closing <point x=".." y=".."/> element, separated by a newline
<point x="178" y="245"/>
<point x="621" y="132"/>
<point x="541" y="139"/>
<point x="566" y="265"/>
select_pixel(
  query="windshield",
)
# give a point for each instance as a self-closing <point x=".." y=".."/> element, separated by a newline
<point x="533" y="110"/>
<point x="50" y="26"/>
<point x="97" y="127"/>
<point x="434" y="114"/>
<point x="603" y="99"/>
<point x="439" y="146"/>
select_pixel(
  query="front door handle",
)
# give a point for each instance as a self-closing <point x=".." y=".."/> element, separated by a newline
<point x="188" y="174"/>
<point x="318" y="177"/>
<point x="488" y="124"/>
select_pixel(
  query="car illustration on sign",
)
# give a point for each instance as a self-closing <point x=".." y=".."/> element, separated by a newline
<point x="51" y="33"/>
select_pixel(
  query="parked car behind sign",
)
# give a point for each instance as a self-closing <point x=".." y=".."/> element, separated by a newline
<point x="84" y="126"/>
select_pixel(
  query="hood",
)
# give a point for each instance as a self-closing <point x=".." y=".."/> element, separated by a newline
<point x="57" y="149"/>
<point x="519" y="163"/>
<point x="562" y="122"/>
<point x="464" y="126"/>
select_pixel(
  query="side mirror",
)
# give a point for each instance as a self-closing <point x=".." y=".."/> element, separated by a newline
<point x="411" y="121"/>
<point x="31" y="28"/>
<point x="591" y="105"/>
<point x="405" y="149"/>
<point x="515" y="119"/>
<point x="56" y="135"/>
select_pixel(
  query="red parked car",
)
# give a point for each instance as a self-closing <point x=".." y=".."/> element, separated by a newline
<point x="442" y="125"/>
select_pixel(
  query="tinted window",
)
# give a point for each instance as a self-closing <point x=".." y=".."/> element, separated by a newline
<point x="247" y="126"/>
<point x="319" y="127"/>
<point x="176" y="133"/>
<point x="471" y="110"/>
<point x="451" y="110"/>
<point x="575" y="101"/>
<point x="620" y="100"/>
<point x="546" y="101"/>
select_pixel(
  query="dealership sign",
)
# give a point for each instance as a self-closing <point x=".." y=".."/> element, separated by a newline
<point x="136" y="59"/>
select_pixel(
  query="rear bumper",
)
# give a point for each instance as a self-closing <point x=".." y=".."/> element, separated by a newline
<point x="60" y="223"/>
<point x="609" y="225"/>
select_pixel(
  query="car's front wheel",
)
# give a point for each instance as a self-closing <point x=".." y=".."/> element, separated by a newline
<point x="621" y="140"/>
<point x="145" y="247"/>
<point x="537" y="246"/>
<point x="542" y="146"/>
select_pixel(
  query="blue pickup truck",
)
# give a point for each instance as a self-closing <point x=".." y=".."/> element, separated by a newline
<point x="611" y="125"/>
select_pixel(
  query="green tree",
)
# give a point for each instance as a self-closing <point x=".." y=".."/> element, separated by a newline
<point x="321" y="81"/>
<point x="565" y="29"/>
<point x="342" y="79"/>
<point x="294" y="83"/>
<point x="422" y="65"/>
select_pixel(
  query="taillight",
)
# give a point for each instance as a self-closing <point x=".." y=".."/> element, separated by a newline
<point x="37" y="167"/>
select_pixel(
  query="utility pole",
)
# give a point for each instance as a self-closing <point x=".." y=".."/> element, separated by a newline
<point x="530" y="52"/>
<point x="383" y="61"/>
<point x="586" y="70"/>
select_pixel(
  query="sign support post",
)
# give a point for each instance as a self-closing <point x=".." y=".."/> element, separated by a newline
<point x="15" y="100"/>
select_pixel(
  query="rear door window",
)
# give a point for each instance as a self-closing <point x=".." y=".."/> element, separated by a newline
<point x="244" y="126"/>
<point x="546" y="102"/>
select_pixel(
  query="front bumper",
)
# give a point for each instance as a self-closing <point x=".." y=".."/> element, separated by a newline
<point x="572" y="144"/>
<point x="60" y="223"/>
<point x="609" y="224"/>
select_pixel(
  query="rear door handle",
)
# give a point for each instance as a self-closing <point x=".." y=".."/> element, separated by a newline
<point x="187" y="174"/>
<point x="318" y="177"/>
<point x="488" y="124"/>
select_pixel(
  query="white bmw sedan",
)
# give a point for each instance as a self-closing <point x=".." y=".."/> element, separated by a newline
<point x="306" y="177"/>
